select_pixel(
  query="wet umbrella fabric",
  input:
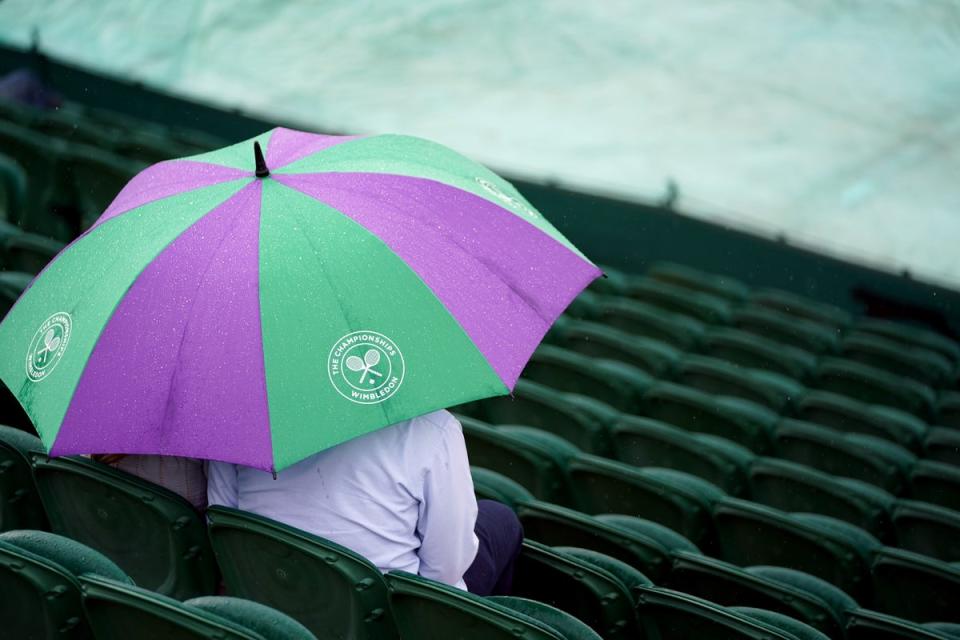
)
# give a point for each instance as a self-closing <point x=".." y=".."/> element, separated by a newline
<point x="259" y="311"/>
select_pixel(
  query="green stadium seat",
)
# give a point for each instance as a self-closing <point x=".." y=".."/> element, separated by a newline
<point x="39" y="582"/>
<point x="717" y="285"/>
<point x="863" y="624"/>
<point x="13" y="188"/>
<point x="679" y="615"/>
<point x="39" y="155"/>
<point x="874" y="386"/>
<point x="752" y="534"/>
<point x="912" y="336"/>
<point x="780" y="622"/>
<point x="584" y="306"/>
<point x="25" y="252"/>
<point x="848" y="415"/>
<point x="538" y="465"/>
<point x="928" y="529"/>
<point x="665" y="536"/>
<point x="788" y="329"/>
<point x="20" y="506"/>
<point x="645" y="549"/>
<point x="692" y="410"/>
<point x="286" y="568"/>
<point x="428" y="610"/>
<point x="599" y="341"/>
<point x="560" y="621"/>
<point x="583" y="421"/>
<point x="638" y="318"/>
<point x="793" y="487"/>
<point x="866" y="458"/>
<point x="674" y="499"/>
<point x="583" y="589"/>
<point x="644" y="442"/>
<point x="923" y="365"/>
<point x="946" y="629"/>
<point x="613" y="282"/>
<point x="813" y="601"/>
<point x="714" y="376"/>
<point x="749" y="350"/>
<point x="152" y="533"/>
<point x="490" y="485"/>
<point x="796" y="305"/>
<point x="942" y="445"/>
<point x="116" y="610"/>
<point x="936" y="482"/>
<point x="915" y="587"/>
<point x="95" y="179"/>
<point x="948" y="410"/>
<point x="613" y="382"/>
<point x="703" y="307"/>
<point x="12" y="284"/>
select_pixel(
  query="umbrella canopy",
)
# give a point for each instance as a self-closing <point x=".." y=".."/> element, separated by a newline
<point x="258" y="308"/>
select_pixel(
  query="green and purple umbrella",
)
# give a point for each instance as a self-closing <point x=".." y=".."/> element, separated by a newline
<point x="222" y="310"/>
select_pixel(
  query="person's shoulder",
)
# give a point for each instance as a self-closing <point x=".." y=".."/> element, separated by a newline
<point x="437" y="425"/>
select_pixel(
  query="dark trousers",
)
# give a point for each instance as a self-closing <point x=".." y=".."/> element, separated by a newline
<point x="500" y="535"/>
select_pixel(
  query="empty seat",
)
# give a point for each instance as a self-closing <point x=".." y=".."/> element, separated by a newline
<point x="491" y="485"/>
<point x="39" y="581"/>
<point x="916" y="587"/>
<point x="807" y="335"/>
<point x="910" y="335"/>
<point x="20" y="506"/>
<point x="647" y="551"/>
<point x="286" y="568"/>
<point x="797" y="305"/>
<point x="152" y="533"/>
<point x="538" y="465"/>
<point x="665" y="536"/>
<point x="639" y="318"/>
<point x="948" y="410"/>
<point x="429" y="610"/>
<point x="922" y="365"/>
<point x="581" y="588"/>
<point x="752" y="534"/>
<point x="599" y="341"/>
<point x="560" y="621"/>
<point x="583" y="421"/>
<point x="793" y="487"/>
<point x="699" y="306"/>
<point x="679" y="615"/>
<point x="25" y="252"/>
<point x="644" y="442"/>
<point x="848" y="415"/>
<point x="738" y="420"/>
<point x="867" y="458"/>
<point x="779" y="622"/>
<point x="928" y="529"/>
<point x="936" y="482"/>
<point x="584" y="306"/>
<point x="749" y="350"/>
<point x="813" y="601"/>
<point x="770" y="390"/>
<point x="616" y="383"/>
<point x="714" y="284"/>
<point x="116" y="610"/>
<point x="864" y="624"/>
<point x="674" y="499"/>
<point x="943" y="445"/>
<point x="873" y="386"/>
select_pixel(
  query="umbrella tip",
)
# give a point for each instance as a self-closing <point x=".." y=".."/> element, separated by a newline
<point x="262" y="170"/>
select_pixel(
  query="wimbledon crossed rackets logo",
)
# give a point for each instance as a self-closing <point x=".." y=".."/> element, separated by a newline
<point x="47" y="346"/>
<point x="365" y="367"/>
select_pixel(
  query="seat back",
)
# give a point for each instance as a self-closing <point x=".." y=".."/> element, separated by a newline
<point x="802" y="307"/>
<point x="20" y="506"/>
<point x="776" y="392"/>
<point x="38" y="580"/>
<point x="863" y="624"/>
<point x="152" y="533"/>
<point x="700" y="306"/>
<point x="928" y="529"/>
<point x="923" y="365"/>
<point x="595" y="340"/>
<point x="638" y="318"/>
<point x="490" y="485"/>
<point x="324" y="586"/>
<point x="911" y="336"/>
<point x="749" y="350"/>
<point x="912" y="586"/>
<point x="586" y="591"/>
<point x="714" y="284"/>
<point x="874" y="386"/>
<point x="786" y="329"/>
<point x="851" y="416"/>
<point x="943" y="445"/>
<point x="562" y="622"/>
<point x="936" y="482"/>
<point x="427" y="610"/>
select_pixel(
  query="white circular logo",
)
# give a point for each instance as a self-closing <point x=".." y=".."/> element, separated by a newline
<point x="365" y="367"/>
<point x="507" y="198"/>
<point x="48" y="345"/>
